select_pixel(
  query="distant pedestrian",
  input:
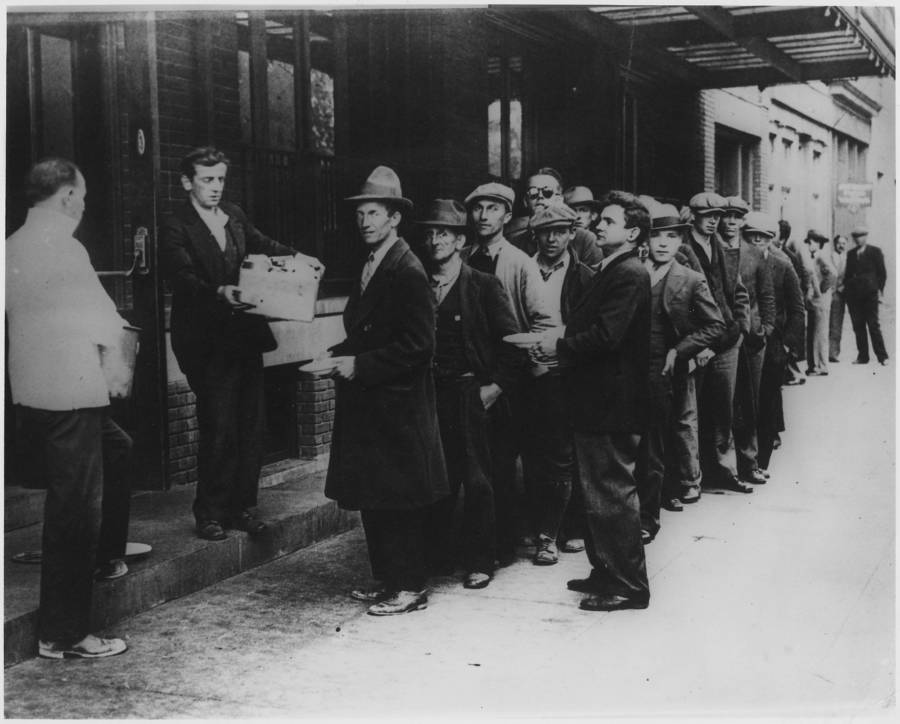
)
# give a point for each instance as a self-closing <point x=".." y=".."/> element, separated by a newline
<point x="60" y="319"/>
<point x="818" y="305"/>
<point x="864" y="282"/>
<point x="838" y="255"/>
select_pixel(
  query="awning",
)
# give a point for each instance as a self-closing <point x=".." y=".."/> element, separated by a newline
<point x="711" y="46"/>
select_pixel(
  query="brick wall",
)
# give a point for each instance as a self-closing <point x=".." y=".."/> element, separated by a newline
<point x="315" y="419"/>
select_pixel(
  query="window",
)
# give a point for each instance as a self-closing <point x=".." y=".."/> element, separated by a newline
<point x="505" y="117"/>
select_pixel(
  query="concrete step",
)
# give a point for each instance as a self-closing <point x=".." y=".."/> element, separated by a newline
<point x="297" y="511"/>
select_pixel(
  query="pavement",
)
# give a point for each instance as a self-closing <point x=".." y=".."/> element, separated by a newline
<point x="776" y="604"/>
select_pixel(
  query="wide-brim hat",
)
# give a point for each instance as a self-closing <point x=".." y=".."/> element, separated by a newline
<point x="575" y="196"/>
<point x="445" y="212"/>
<point x="707" y="202"/>
<point x="859" y="231"/>
<point x="664" y="217"/>
<point x="762" y="223"/>
<point x="383" y="185"/>
<point x="493" y="191"/>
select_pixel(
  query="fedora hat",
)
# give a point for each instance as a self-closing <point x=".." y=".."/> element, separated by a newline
<point x="859" y="231"/>
<point x="665" y="216"/>
<point x="383" y="184"/>
<point x="445" y="212"/>
<point x="575" y="196"/>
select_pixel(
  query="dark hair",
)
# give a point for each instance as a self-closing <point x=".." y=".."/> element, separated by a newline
<point x="784" y="230"/>
<point x="203" y="156"/>
<point x="549" y="171"/>
<point x="48" y="176"/>
<point x="635" y="213"/>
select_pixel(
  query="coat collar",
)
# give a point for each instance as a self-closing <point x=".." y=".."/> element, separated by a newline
<point x="361" y="305"/>
<point x="205" y="244"/>
<point x="601" y="276"/>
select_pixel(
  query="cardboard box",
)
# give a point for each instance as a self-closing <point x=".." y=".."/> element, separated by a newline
<point x="280" y="287"/>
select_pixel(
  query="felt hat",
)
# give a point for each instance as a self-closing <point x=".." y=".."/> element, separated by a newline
<point x="707" y="202"/>
<point x="859" y="231"/>
<point x="557" y="215"/>
<point x="383" y="184"/>
<point x="575" y="196"/>
<point x="665" y="216"/>
<point x="445" y="212"/>
<point x="494" y="191"/>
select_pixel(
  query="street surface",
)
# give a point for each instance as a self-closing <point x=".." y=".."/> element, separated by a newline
<point x="775" y="604"/>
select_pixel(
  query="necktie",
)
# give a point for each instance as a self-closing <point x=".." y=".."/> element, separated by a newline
<point x="367" y="272"/>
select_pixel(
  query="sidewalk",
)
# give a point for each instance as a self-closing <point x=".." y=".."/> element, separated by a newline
<point x="778" y="603"/>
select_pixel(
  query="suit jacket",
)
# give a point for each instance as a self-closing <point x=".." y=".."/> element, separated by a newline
<point x="692" y="311"/>
<point x="578" y="276"/>
<point x="790" y="316"/>
<point x="194" y="267"/>
<point x="823" y="280"/>
<point x="605" y="350"/>
<point x="865" y="275"/>
<point x="386" y="451"/>
<point x="757" y="280"/>
<point x="487" y="317"/>
<point x="722" y="273"/>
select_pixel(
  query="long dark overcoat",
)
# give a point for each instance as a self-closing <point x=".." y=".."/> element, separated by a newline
<point x="385" y="450"/>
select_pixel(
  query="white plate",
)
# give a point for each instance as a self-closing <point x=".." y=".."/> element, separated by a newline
<point x="523" y="339"/>
<point x="319" y="367"/>
<point x="137" y="550"/>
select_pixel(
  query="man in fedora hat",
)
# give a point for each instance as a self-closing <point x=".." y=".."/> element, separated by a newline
<point x="490" y="207"/>
<point x="864" y="281"/>
<point x="684" y="320"/>
<point x="473" y="367"/>
<point x="818" y="305"/>
<point x="587" y="209"/>
<point x="718" y="371"/>
<point x="219" y="347"/>
<point x="386" y="457"/>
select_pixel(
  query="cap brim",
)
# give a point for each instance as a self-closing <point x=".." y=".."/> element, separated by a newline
<point x="750" y="230"/>
<point x="384" y="199"/>
<point x="502" y="200"/>
<point x="667" y="227"/>
<point x="441" y="223"/>
<point x="708" y="211"/>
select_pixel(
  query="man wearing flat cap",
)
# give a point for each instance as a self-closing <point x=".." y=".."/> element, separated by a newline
<point x="718" y="372"/>
<point x="864" y="281"/>
<point x="490" y="207"/>
<point x="386" y="456"/>
<point x="472" y="369"/>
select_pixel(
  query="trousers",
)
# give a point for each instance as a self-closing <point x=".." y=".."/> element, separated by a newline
<point x="864" y="315"/>
<point x="818" y="320"/>
<point x="715" y="403"/>
<point x="835" y="325"/>
<point x="396" y="543"/>
<point x="746" y="408"/>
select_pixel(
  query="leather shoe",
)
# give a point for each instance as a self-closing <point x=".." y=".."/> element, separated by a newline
<point x="372" y="595"/>
<point x="400" y="602"/>
<point x="673" y="504"/>
<point x="612" y="602"/>
<point x="859" y="361"/>
<point x="754" y="476"/>
<point x="690" y="494"/>
<point x="211" y="530"/>
<point x="764" y="473"/>
<point x="248" y="522"/>
<point x="883" y="362"/>
<point x="737" y="485"/>
<point x="646" y="536"/>
<point x="477" y="579"/>
<point x="573" y="545"/>
<point x="582" y="585"/>
<point x="547" y="553"/>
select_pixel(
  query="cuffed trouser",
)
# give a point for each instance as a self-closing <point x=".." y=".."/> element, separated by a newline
<point x="605" y="471"/>
<point x="116" y="506"/>
<point x="69" y="454"/>
<point x="746" y="412"/>
<point x="396" y="542"/>
<point x="231" y="418"/>
<point x="465" y="437"/>
<point x="650" y="467"/>
<point x="864" y="315"/>
<point x="548" y="455"/>
<point x="683" y="448"/>
<point x="715" y="402"/>
<point x="818" y="319"/>
<point x="835" y="325"/>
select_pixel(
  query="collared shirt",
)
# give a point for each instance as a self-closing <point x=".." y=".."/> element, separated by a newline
<point x="375" y="257"/>
<point x="215" y="220"/>
<point x="624" y="249"/>
<point x="443" y="283"/>
<point x="58" y="314"/>
<point x="657" y="271"/>
<point x="704" y="243"/>
<point x="551" y="290"/>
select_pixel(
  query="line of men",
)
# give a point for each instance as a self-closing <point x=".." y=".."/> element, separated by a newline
<point x="655" y="347"/>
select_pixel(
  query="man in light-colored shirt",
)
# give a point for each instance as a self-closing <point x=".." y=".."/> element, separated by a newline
<point x="60" y="319"/>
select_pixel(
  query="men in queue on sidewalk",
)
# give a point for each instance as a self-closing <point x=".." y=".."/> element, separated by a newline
<point x="60" y="320"/>
<point x="473" y="368"/>
<point x="684" y="320"/>
<point x="490" y="207"/>
<point x="717" y="375"/>
<point x="864" y="282"/>
<point x="604" y="352"/>
<point x="757" y="280"/>
<point x="799" y="258"/>
<point x="386" y="455"/>
<point x="218" y="346"/>
<point x="548" y="454"/>
<point x="787" y="336"/>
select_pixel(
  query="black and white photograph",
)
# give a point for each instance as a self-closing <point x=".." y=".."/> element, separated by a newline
<point x="462" y="361"/>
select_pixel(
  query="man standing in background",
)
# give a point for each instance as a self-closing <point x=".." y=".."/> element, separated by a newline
<point x="864" y="282"/>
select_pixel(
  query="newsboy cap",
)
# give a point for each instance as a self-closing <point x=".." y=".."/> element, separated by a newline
<point x="859" y="231"/>
<point x="665" y="216"/>
<point x="580" y="196"/>
<point x="707" y="202"/>
<point x="383" y="184"/>
<point x="736" y="203"/>
<point x="760" y="222"/>
<point x="553" y="216"/>
<point x="445" y="212"/>
<point x="494" y="191"/>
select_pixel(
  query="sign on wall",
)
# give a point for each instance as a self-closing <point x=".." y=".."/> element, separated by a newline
<point x="854" y="195"/>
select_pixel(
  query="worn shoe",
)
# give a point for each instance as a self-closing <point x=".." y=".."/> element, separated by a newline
<point x="673" y="504"/>
<point x="372" y="595"/>
<point x="737" y="485"/>
<point x="833" y="359"/>
<point x="547" y="553"/>
<point x="90" y="647"/>
<point x="612" y="602"/>
<point x="817" y="373"/>
<point x="573" y="545"/>
<point x="116" y="568"/>
<point x="776" y="443"/>
<point x="690" y="494"/>
<point x="582" y="585"/>
<point x="764" y="473"/>
<point x="860" y="361"/>
<point x="400" y="602"/>
<point x="646" y="536"/>
<point x="754" y="476"/>
<point x="248" y="522"/>
<point x="883" y="362"/>
<point x="477" y="579"/>
<point x="211" y="530"/>
<point x="796" y="381"/>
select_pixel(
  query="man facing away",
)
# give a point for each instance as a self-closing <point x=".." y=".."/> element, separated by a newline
<point x="473" y="367"/>
<point x="218" y="346"/>
<point x="60" y="318"/>
<point x="604" y="350"/>
<point x="864" y="282"/>
<point x="386" y="456"/>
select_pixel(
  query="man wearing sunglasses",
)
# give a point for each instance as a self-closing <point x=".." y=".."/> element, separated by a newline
<point x="545" y="188"/>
